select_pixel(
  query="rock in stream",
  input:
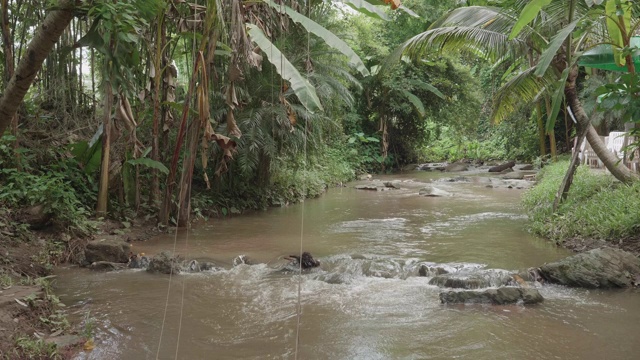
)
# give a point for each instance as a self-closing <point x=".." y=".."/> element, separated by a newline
<point x="598" y="268"/>
<point x="499" y="296"/>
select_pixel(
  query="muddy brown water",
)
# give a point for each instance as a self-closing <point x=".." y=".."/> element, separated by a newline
<point x="366" y="301"/>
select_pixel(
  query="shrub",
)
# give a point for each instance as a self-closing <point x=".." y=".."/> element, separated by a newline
<point x="597" y="206"/>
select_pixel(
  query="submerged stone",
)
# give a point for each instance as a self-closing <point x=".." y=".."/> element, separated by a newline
<point x="164" y="263"/>
<point x="499" y="296"/>
<point x="106" y="266"/>
<point x="476" y="280"/>
<point x="426" y="270"/>
<point x="455" y="167"/>
<point x="431" y="191"/>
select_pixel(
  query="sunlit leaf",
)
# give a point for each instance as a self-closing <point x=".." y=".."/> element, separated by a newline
<point x="150" y="164"/>
<point x="367" y="8"/>
<point x="558" y="98"/>
<point x="529" y="12"/>
<point x="330" y="38"/>
<point x="551" y="51"/>
<point x="303" y="89"/>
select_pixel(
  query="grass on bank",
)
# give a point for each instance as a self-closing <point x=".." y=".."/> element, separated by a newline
<point x="597" y="206"/>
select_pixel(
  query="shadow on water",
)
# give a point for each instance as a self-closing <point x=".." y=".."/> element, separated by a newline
<point x="366" y="301"/>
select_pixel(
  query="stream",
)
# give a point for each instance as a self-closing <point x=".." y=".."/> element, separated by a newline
<point x="366" y="301"/>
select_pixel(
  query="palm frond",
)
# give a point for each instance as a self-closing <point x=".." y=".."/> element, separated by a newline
<point x="523" y="88"/>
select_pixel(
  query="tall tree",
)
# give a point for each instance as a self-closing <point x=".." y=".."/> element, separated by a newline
<point x="44" y="39"/>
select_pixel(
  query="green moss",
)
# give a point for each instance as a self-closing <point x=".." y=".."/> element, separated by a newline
<point x="597" y="206"/>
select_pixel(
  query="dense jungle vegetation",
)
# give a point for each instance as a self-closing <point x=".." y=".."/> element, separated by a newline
<point x="164" y="108"/>
<point x="192" y="95"/>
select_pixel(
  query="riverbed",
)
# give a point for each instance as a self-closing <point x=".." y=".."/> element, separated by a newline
<point x="366" y="301"/>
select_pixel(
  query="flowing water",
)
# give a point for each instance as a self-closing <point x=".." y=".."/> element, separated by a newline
<point x="366" y="301"/>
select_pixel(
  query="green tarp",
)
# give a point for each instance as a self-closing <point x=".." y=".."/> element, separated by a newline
<point x="601" y="57"/>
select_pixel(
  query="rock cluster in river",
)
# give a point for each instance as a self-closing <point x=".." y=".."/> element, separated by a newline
<point x="598" y="268"/>
<point x="499" y="296"/>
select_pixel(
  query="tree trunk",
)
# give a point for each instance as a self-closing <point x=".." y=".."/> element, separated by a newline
<point x="541" y="137"/>
<point x="7" y="47"/>
<point x="165" y="209"/>
<point x="610" y="161"/>
<point x="157" y="82"/>
<point x="561" y="195"/>
<point x="184" y="197"/>
<point x="43" y="41"/>
<point x="103" y="191"/>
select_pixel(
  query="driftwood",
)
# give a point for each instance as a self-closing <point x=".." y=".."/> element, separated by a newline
<point x="503" y="167"/>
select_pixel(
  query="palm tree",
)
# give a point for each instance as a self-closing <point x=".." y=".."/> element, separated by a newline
<point x="541" y="44"/>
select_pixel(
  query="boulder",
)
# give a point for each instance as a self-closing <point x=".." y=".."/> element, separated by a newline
<point x="411" y="167"/>
<point x="432" y="166"/>
<point x="112" y="250"/>
<point x="474" y="280"/>
<point x="164" y="263"/>
<point x="516" y="175"/>
<point x="426" y="270"/>
<point x="434" y="192"/>
<point x="500" y="168"/>
<point x="598" y="268"/>
<point x="499" y="296"/>
<point x="373" y="187"/>
<point x="458" y="166"/>
<point x="392" y="184"/>
<point x="138" y="262"/>
<point x="526" y="167"/>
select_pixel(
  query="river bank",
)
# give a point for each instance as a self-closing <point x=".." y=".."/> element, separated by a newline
<point x="599" y="210"/>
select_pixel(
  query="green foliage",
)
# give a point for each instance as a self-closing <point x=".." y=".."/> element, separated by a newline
<point x="305" y="92"/>
<point x="597" y="207"/>
<point x="30" y="348"/>
<point x="62" y="189"/>
<point x="51" y="190"/>
<point x="621" y="95"/>
<point x="6" y="281"/>
<point x="149" y="163"/>
<point x="291" y="179"/>
<point x="115" y="33"/>
<point x="529" y="12"/>
<point x="89" y="325"/>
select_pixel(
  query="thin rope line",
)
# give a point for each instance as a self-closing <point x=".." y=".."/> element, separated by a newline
<point x="166" y="305"/>
<point x="188" y="198"/>
<point x="306" y="124"/>
<point x="186" y="251"/>
<point x="175" y="242"/>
